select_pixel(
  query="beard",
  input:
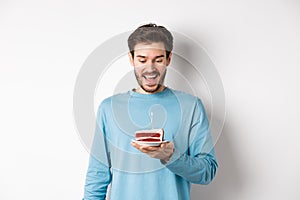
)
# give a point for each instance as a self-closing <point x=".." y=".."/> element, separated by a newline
<point x="158" y="86"/>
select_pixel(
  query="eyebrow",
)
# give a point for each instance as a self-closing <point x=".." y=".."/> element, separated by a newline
<point x="160" y="56"/>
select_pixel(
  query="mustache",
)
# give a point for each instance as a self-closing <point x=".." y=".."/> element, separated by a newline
<point x="154" y="73"/>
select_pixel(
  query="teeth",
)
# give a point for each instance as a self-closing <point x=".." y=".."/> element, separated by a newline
<point x="150" y="76"/>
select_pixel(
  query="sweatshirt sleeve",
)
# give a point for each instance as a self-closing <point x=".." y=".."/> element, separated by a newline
<point x="198" y="164"/>
<point x="98" y="175"/>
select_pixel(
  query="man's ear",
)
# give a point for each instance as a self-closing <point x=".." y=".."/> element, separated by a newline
<point x="130" y="58"/>
<point x="169" y="59"/>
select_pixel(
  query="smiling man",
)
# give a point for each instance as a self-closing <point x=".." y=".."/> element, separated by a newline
<point x="138" y="171"/>
<point x="150" y="62"/>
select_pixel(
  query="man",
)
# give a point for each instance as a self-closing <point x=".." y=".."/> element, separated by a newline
<point x="141" y="172"/>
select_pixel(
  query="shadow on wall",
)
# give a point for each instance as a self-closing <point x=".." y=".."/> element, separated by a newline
<point x="228" y="181"/>
<point x="191" y="60"/>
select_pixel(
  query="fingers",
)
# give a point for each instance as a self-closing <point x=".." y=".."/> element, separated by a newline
<point x="144" y="149"/>
<point x="163" y="152"/>
<point x="167" y="145"/>
<point x="135" y="145"/>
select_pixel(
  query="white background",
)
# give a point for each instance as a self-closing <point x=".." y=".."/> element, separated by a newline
<point x="255" y="46"/>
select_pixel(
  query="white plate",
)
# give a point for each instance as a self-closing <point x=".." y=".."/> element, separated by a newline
<point x="152" y="144"/>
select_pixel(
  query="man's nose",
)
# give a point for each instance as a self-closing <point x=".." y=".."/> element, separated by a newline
<point x="150" y="65"/>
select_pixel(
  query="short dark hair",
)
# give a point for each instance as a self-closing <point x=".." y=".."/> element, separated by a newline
<point x="150" y="33"/>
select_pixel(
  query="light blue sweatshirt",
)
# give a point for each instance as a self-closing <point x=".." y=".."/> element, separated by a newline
<point x="136" y="176"/>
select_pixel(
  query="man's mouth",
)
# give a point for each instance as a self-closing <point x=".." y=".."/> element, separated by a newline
<point x="153" y="76"/>
<point x="150" y="79"/>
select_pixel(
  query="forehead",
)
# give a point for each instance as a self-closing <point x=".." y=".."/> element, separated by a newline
<point x="149" y="48"/>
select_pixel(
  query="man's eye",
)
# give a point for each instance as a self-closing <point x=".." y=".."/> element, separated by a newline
<point x="159" y="61"/>
<point x="142" y="61"/>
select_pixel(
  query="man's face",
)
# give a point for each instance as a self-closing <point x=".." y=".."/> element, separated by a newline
<point x="150" y="63"/>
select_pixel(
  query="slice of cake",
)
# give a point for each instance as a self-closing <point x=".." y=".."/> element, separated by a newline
<point x="153" y="135"/>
